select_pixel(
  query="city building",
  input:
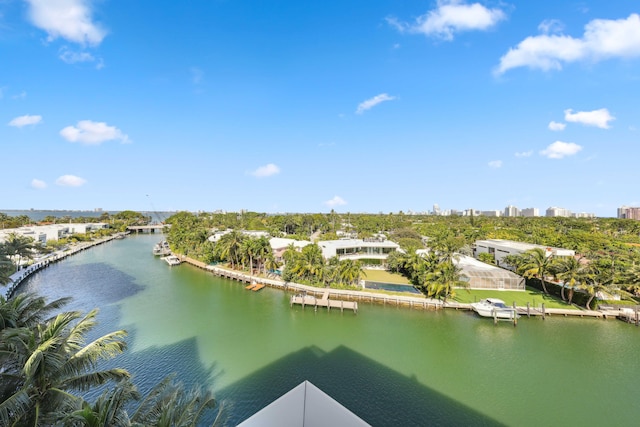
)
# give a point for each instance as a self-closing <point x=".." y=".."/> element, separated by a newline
<point x="554" y="212"/>
<point x="626" y="212"/>
<point x="511" y="211"/>
<point x="530" y="212"/>
<point x="491" y="213"/>
<point x="583" y="215"/>
<point x="500" y="248"/>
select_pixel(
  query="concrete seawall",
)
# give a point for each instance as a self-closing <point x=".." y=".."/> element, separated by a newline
<point x="19" y="276"/>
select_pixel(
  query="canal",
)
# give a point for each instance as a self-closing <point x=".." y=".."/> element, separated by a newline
<point x="388" y="365"/>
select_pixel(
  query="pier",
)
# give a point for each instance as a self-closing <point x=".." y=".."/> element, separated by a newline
<point x="331" y="298"/>
<point x="307" y="300"/>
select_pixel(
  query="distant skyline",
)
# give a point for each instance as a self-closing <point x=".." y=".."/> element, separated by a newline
<point x="292" y="106"/>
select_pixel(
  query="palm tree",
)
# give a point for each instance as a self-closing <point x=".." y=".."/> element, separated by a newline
<point x="263" y="250"/>
<point x="570" y="271"/>
<point x="228" y="247"/>
<point x="248" y="249"/>
<point x="108" y="410"/>
<point x="270" y="263"/>
<point x="442" y="282"/>
<point x="27" y="310"/>
<point x="52" y="362"/>
<point x="309" y="265"/>
<point x="537" y="264"/>
<point x="18" y="247"/>
<point x="6" y="269"/>
<point x="169" y="405"/>
<point x="349" y="271"/>
<point x="597" y="279"/>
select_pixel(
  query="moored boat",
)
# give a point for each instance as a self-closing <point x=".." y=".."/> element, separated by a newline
<point x="172" y="260"/>
<point x="494" y="307"/>
<point x="162" y="248"/>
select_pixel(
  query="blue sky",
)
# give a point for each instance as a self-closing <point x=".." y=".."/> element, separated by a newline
<point x="291" y="106"/>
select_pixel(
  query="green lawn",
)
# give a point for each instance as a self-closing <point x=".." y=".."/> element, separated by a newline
<point x="534" y="297"/>
<point x="383" y="276"/>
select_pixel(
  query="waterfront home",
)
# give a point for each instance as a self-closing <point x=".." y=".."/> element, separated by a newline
<point x="279" y="245"/>
<point x="369" y="251"/>
<point x="480" y="275"/>
<point x="500" y="248"/>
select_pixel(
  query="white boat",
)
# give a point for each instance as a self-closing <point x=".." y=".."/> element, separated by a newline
<point x="490" y="307"/>
<point x="162" y="248"/>
<point x="172" y="260"/>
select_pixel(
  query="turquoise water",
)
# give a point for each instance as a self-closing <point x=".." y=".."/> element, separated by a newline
<point x="391" y="366"/>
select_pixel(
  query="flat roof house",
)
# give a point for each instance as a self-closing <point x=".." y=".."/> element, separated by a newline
<point x="358" y="249"/>
<point x="501" y="248"/>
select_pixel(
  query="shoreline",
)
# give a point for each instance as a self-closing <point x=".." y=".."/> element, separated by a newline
<point x="19" y="276"/>
<point x="404" y="301"/>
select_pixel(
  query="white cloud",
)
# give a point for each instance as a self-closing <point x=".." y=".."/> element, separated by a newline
<point x="450" y="17"/>
<point x="495" y="164"/>
<point x="38" y="184"/>
<point x="70" y="181"/>
<point x="93" y="133"/>
<point x="550" y="26"/>
<point x="599" y="118"/>
<point x="21" y="95"/>
<point x="555" y="126"/>
<point x="602" y="39"/>
<point x="25" y="121"/>
<point x="524" y="154"/>
<point x="71" y="57"/>
<point x="69" y="19"/>
<point x="560" y="149"/>
<point x="266" y="170"/>
<point x="372" y="102"/>
<point x="336" y="201"/>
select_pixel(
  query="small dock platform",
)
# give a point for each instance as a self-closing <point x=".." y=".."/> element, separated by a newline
<point x="307" y="300"/>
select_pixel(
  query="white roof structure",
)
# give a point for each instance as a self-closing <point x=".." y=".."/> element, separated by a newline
<point x="280" y="243"/>
<point x="357" y="248"/>
<point x="304" y="406"/>
<point x="523" y="247"/>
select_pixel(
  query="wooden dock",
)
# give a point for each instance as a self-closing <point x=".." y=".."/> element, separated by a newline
<point x="309" y="300"/>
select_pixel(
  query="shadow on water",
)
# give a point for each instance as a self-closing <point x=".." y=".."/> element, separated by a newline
<point x="84" y="283"/>
<point x="374" y="392"/>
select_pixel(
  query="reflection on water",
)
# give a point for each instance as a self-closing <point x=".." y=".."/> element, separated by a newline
<point x="389" y="365"/>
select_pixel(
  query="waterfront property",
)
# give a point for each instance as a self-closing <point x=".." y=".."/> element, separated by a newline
<point x="388" y="366"/>
<point x="480" y="275"/>
<point x="370" y="251"/>
<point x="500" y="248"/>
<point x="279" y="245"/>
<point x="53" y="232"/>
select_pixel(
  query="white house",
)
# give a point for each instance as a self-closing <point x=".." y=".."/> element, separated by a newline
<point x="500" y="248"/>
<point x="369" y="249"/>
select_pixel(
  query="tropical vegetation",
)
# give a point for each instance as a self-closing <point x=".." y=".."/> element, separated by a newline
<point x="47" y="369"/>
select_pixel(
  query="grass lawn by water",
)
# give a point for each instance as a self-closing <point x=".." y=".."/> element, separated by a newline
<point x="532" y="296"/>
<point x="384" y="277"/>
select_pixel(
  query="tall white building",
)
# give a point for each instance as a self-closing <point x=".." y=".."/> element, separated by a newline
<point x="436" y="209"/>
<point x="511" y="211"/>
<point x="553" y="211"/>
<point x="530" y="212"/>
